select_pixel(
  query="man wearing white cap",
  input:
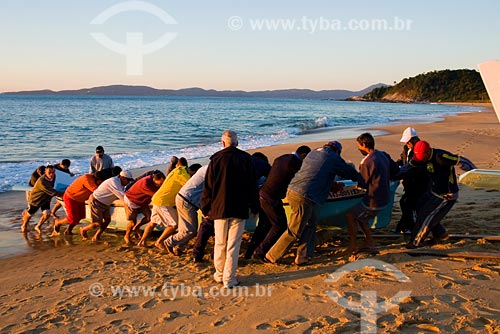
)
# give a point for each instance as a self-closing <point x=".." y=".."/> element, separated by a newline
<point x="414" y="183"/>
<point x="100" y="201"/>
<point x="409" y="138"/>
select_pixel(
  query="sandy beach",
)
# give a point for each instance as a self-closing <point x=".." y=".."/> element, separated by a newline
<point x="64" y="285"/>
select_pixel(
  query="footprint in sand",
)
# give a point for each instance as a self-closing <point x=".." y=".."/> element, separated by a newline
<point x="326" y="323"/>
<point x="421" y="268"/>
<point x="470" y="138"/>
<point x="8" y="328"/>
<point x="128" y="328"/>
<point x="220" y="322"/>
<point x="412" y="302"/>
<point x="449" y="282"/>
<point x="480" y="272"/>
<point x="496" y="160"/>
<point x="170" y="316"/>
<point x="69" y="281"/>
<point x="283" y="324"/>
<point x="116" y="326"/>
<point x="450" y="299"/>
<point x="118" y="308"/>
<point x="489" y="268"/>
<point x="149" y="304"/>
<point x="495" y="312"/>
<point x="223" y="320"/>
<point x="10" y="309"/>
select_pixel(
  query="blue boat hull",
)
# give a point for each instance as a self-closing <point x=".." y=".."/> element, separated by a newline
<point x="332" y="213"/>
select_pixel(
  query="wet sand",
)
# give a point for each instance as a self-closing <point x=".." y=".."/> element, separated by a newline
<point x="65" y="285"/>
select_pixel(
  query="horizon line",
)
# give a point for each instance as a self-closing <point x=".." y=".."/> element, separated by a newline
<point x="192" y="87"/>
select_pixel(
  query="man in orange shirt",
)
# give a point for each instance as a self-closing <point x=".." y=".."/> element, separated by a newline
<point x="74" y="200"/>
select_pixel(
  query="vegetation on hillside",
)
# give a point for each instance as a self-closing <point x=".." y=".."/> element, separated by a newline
<point x="437" y="86"/>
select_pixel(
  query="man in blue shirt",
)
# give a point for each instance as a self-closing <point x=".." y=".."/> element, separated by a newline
<point x="308" y="189"/>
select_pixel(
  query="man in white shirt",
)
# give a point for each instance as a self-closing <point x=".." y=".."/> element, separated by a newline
<point x="100" y="201"/>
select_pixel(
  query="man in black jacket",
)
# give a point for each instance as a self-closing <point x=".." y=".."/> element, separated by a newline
<point x="442" y="193"/>
<point x="229" y="192"/>
<point x="272" y="217"/>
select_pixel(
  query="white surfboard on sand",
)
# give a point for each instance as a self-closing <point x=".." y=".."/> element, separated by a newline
<point x="490" y="73"/>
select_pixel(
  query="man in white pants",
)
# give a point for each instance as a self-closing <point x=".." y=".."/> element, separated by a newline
<point x="229" y="192"/>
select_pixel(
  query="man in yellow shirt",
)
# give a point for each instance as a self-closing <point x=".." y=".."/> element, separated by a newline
<point x="164" y="211"/>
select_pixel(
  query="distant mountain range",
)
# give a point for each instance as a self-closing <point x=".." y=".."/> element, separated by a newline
<point x="125" y="90"/>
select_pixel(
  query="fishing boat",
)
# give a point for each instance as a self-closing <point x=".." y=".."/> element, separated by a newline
<point x="481" y="178"/>
<point x="118" y="215"/>
<point x="330" y="214"/>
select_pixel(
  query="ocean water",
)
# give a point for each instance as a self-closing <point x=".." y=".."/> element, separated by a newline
<point x="147" y="131"/>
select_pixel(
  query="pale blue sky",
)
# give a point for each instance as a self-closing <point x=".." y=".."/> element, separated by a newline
<point x="47" y="44"/>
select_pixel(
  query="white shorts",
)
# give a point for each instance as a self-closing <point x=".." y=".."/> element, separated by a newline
<point x="164" y="215"/>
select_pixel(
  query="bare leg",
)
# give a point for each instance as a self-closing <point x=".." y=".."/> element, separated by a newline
<point x="352" y="228"/>
<point x="130" y="226"/>
<point x="368" y="243"/>
<point x="136" y="229"/>
<point x="57" y="225"/>
<point x="26" y="219"/>
<point x="84" y="230"/>
<point x="56" y="207"/>
<point x="162" y="240"/>
<point x="168" y="231"/>
<point x="43" y="219"/>
<point x="147" y="231"/>
<point x="69" y="230"/>
<point x="99" y="232"/>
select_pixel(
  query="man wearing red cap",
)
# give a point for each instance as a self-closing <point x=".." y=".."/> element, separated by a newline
<point x="442" y="193"/>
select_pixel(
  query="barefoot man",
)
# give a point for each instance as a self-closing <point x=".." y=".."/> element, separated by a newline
<point x="100" y="201"/>
<point x="40" y="198"/>
<point x="137" y="200"/>
<point x="376" y="169"/>
<point x="74" y="201"/>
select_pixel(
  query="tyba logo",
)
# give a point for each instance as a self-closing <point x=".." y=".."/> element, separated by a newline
<point x="368" y="308"/>
<point x="134" y="49"/>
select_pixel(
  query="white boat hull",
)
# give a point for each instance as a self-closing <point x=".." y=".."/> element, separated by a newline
<point x="481" y="178"/>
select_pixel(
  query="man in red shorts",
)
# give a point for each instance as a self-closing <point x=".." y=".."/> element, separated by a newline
<point x="74" y="201"/>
